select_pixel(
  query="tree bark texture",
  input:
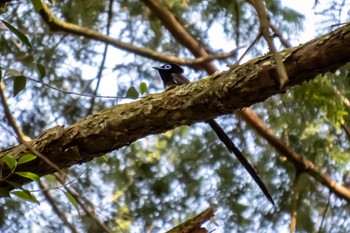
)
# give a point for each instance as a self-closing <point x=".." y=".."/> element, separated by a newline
<point x="219" y="94"/>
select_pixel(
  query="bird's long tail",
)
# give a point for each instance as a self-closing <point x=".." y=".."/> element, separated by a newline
<point x="233" y="149"/>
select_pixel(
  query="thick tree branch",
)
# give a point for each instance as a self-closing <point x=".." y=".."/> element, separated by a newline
<point x="238" y="87"/>
<point x="248" y="115"/>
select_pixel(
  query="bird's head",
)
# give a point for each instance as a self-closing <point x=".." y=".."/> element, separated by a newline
<point x="169" y="68"/>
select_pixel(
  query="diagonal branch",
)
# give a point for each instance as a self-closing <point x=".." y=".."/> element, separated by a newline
<point x="302" y="164"/>
<point x="11" y="120"/>
<point x="194" y="225"/>
<point x="56" y="24"/>
<point x="239" y="87"/>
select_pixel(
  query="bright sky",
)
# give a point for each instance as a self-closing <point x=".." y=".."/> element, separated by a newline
<point x="310" y="18"/>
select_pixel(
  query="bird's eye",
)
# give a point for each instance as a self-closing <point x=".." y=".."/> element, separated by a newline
<point x="167" y="66"/>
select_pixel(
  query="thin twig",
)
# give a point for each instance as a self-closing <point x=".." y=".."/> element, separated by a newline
<point x="284" y="41"/>
<point x="11" y="120"/>
<point x="66" y="183"/>
<point x="59" y="25"/>
<point x="75" y="93"/>
<point x="100" y="70"/>
<point x="264" y="27"/>
<point x="19" y="134"/>
<point x="54" y="206"/>
<point x="78" y="198"/>
<point x="257" y="38"/>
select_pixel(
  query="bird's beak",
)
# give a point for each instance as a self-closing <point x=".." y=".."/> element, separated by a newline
<point x="157" y="68"/>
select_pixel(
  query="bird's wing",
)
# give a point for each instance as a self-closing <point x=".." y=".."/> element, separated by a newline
<point x="179" y="79"/>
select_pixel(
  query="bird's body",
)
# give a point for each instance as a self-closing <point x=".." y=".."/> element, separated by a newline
<point x="171" y="75"/>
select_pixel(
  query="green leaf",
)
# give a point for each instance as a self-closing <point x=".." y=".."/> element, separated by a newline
<point x="37" y="5"/>
<point x="25" y="195"/>
<point x="72" y="200"/>
<point x="26" y="158"/>
<point x="132" y="93"/>
<point x="10" y="161"/>
<point x="28" y="175"/>
<point x="53" y="2"/>
<point x="105" y="157"/>
<point x="41" y="70"/>
<point x="143" y="87"/>
<point x="19" y="34"/>
<point x="51" y="180"/>
<point x="4" y="192"/>
<point x="3" y="8"/>
<point x="12" y="183"/>
<point x="19" y="84"/>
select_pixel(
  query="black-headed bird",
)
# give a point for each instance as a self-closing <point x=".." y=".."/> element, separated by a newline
<point x="171" y="75"/>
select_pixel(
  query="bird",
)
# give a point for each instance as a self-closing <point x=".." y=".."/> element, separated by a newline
<point x="171" y="75"/>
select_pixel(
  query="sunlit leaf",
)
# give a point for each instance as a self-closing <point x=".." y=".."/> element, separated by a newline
<point x="19" y="34"/>
<point x="37" y="5"/>
<point x="26" y="158"/>
<point x="143" y="87"/>
<point x="19" y="84"/>
<point x="3" y="8"/>
<point x="51" y="180"/>
<point x="28" y="175"/>
<point x="132" y="93"/>
<point x="72" y="200"/>
<point x="25" y="195"/>
<point x="105" y="157"/>
<point x="10" y="161"/>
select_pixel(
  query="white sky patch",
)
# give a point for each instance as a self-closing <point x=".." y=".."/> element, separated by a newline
<point x="305" y="8"/>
